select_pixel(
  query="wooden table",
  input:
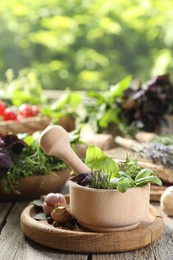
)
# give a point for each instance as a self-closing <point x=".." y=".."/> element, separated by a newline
<point x="14" y="245"/>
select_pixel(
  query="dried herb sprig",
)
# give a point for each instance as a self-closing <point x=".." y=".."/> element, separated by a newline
<point x="159" y="153"/>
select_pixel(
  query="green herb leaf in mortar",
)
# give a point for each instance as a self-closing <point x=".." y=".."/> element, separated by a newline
<point x="106" y="173"/>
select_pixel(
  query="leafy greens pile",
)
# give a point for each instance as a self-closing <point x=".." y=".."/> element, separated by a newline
<point x="103" y="108"/>
<point x="145" y="105"/>
<point x="26" y="88"/>
<point x="20" y="158"/>
<point x="131" y="105"/>
<point x="108" y="174"/>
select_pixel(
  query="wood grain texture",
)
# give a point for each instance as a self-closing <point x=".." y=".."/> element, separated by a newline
<point x="4" y="210"/>
<point x="95" y="242"/>
<point x="160" y="250"/>
<point x="26" y="125"/>
<point x="14" y="245"/>
<point x="107" y="209"/>
<point x="156" y="192"/>
<point x="10" y="235"/>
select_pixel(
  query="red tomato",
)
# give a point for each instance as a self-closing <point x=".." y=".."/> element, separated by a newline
<point x="20" y="117"/>
<point x="35" y="110"/>
<point x="25" y="110"/>
<point x="2" y="108"/>
<point x="9" y="114"/>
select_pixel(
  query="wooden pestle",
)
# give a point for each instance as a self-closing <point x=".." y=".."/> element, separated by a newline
<point x="54" y="140"/>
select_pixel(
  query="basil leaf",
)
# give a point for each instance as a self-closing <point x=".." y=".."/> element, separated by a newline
<point x="40" y="216"/>
<point x="144" y="173"/>
<point x="148" y="179"/>
<point x="113" y="183"/>
<point x="38" y="203"/>
<point x="123" y="184"/>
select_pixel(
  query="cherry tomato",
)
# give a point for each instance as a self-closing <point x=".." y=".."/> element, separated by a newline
<point x="25" y="110"/>
<point x="9" y="114"/>
<point x="20" y="117"/>
<point x="35" y="110"/>
<point x="2" y="108"/>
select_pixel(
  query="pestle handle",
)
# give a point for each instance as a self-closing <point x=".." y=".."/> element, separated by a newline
<point x="54" y="140"/>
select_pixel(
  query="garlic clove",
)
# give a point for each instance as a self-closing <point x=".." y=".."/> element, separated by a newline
<point x="53" y="200"/>
<point x="61" y="215"/>
<point x="47" y="209"/>
<point x="166" y="201"/>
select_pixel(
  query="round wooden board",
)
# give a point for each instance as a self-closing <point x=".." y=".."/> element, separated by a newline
<point x="86" y="241"/>
<point x="156" y="192"/>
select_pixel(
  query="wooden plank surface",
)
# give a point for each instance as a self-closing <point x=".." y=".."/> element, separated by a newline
<point x="4" y="210"/>
<point x="162" y="249"/>
<point x="14" y="245"/>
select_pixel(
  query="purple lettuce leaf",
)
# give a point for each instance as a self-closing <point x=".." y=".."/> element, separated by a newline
<point x="5" y="163"/>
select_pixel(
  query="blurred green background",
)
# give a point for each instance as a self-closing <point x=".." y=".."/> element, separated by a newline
<point x="86" y="44"/>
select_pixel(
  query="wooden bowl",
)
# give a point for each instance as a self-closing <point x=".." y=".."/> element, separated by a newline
<point x="33" y="187"/>
<point x="27" y="125"/>
<point x="108" y="210"/>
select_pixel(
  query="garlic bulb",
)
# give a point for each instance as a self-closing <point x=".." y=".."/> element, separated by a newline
<point x="166" y="201"/>
<point x="53" y="200"/>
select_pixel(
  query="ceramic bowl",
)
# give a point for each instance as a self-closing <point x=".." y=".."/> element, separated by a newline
<point x="109" y="210"/>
